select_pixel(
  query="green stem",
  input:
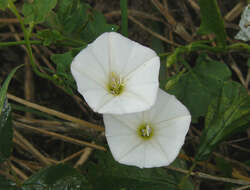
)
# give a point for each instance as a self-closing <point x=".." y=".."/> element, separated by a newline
<point x="180" y="186"/>
<point x="124" y="15"/>
<point x="23" y="42"/>
<point x="239" y="46"/>
<point x="27" y="34"/>
<point x="164" y="54"/>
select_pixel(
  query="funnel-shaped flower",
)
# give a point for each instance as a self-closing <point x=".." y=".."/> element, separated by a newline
<point x="116" y="75"/>
<point x="152" y="138"/>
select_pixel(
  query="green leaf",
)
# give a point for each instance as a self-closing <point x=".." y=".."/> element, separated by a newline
<point x="212" y="21"/>
<point x="72" y="18"/>
<point x="96" y="26"/>
<point x="56" y="178"/>
<point x="200" y="85"/>
<point x="63" y="72"/>
<point x="49" y="36"/>
<point x="37" y="11"/>
<point x="111" y="175"/>
<point x="3" y="4"/>
<point x="6" y="132"/>
<point x="6" y="184"/>
<point x="227" y="114"/>
<point x="77" y="21"/>
<point x="4" y="88"/>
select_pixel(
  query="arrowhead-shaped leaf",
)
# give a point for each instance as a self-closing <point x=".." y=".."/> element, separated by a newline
<point x="227" y="114"/>
<point x="199" y="85"/>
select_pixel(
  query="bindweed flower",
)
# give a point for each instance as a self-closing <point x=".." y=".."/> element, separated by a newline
<point x="152" y="138"/>
<point x="244" y="33"/>
<point x="116" y="75"/>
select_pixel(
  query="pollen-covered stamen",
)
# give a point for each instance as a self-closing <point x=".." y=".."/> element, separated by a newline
<point x="116" y="84"/>
<point x="145" y="131"/>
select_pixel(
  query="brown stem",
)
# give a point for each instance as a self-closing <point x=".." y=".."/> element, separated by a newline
<point x="55" y="113"/>
<point x="235" y="12"/>
<point x="59" y="136"/>
<point x="152" y="32"/>
<point x="211" y="177"/>
<point x="24" y="143"/>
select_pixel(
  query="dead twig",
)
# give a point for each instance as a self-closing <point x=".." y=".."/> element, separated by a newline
<point x="242" y="188"/>
<point x="9" y="20"/>
<point x="18" y="172"/>
<point x="86" y="153"/>
<point x="235" y="12"/>
<point x="55" y="113"/>
<point x="22" y="164"/>
<point x="211" y="177"/>
<point x="59" y="136"/>
<point x="72" y="156"/>
<point x="195" y="6"/>
<point x="238" y="72"/>
<point x="134" y="13"/>
<point x="152" y="32"/>
<point x="24" y="143"/>
<point x="28" y="84"/>
<point x="177" y="27"/>
<point x="45" y="60"/>
<point x="7" y="175"/>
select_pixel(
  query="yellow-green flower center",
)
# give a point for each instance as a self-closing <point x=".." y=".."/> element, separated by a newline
<point x="145" y="131"/>
<point x="115" y="85"/>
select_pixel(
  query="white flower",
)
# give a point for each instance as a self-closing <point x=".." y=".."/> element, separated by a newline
<point x="149" y="139"/>
<point x="244" y="33"/>
<point x="116" y="75"/>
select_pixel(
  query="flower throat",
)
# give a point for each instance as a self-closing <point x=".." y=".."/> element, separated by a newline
<point x="115" y="85"/>
<point x="145" y="131"/>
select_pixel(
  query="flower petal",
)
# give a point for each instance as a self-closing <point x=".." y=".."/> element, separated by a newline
<point x="171" y="135"/>
<point x="96" y="97"/>
<point x="120" y="50"/>
<point x="125" y="103"/>
<point x="139" y="56"/>
<point x="134" y="157"/>
<point x="121" y="146"/>
<point x="101" y="50"/>
<point x="87" y="64"/>
<point x="125" y="121"/>
<point x="174" y="127"/>
<point x="171" y="147"/>
<point x="167" y="107"/>
<point x="244" y="33"/>
<point x="125" y="128"/>
<point x="154" y="155"/>
<point x="148" y="72"/>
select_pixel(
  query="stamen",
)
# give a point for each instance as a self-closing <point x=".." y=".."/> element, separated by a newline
<point x="115" y="85"/>
<point x="145" y="131"/>
<point x="148" y="130"/>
